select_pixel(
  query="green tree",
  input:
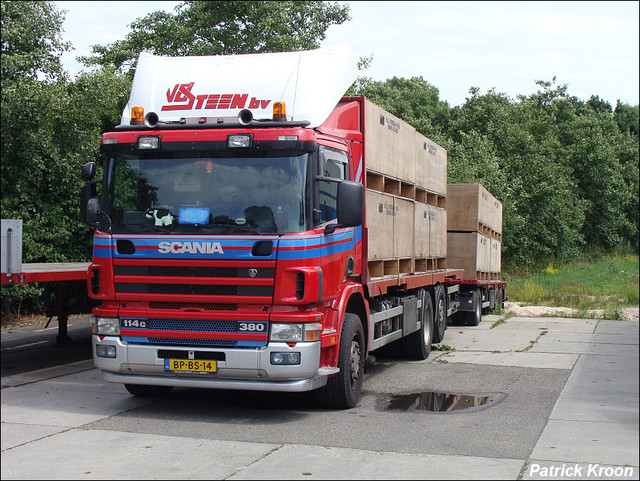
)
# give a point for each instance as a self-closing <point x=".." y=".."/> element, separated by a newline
<point x="413" y="100"/>
<point x="627" y="118"/>
<point x="223" y="28"/>
<point x="31" y="41"/>
<point x="50" y="127"/>
<point x="519" y="158"/>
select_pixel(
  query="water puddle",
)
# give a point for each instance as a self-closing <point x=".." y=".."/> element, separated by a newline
<point x="440" y="402"/>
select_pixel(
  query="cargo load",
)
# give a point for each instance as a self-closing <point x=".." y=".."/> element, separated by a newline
<point x="475" y="218"/>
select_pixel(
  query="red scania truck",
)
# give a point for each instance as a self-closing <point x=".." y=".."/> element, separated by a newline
<point x="256" y="230"/>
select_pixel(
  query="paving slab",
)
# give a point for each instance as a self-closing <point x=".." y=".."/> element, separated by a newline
<point x="66" y="401"/>
<point x="595" y="419"/>
<point x="299" y="462"/>
<point x="123" y="455"/>
<point x="590" y="442"/>
<point x="520" y="359"/>
<point x="564" y="324"/>
<point x="15" y="434"/>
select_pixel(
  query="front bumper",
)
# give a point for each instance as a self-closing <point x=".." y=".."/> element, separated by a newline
<point x="243" y="369"/>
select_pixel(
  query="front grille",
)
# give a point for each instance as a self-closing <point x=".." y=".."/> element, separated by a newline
<point x="167" y="341"/>
<point x="195" y="289"/>
<point x="177" y="306"/>
<point x="179" y="297"/>
<point x="192" y="325"/>
<point x="194" y="332"/>
<point x="191" y="271"/>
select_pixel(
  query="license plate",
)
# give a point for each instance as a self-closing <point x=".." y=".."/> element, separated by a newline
<point x="190" y="365"/>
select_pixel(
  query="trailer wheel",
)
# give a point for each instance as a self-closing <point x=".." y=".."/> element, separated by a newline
<point x="499" y="298"/>
<point x="143" y="390"/>
<point x="440" y="320"/>
<point x="458" y="319"/>
<point x="417" y="345"/>
<point x="474" y="317"/>
<point x="343" y="390"/>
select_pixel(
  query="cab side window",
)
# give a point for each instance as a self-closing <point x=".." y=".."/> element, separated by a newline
<point x="334" y="165"/>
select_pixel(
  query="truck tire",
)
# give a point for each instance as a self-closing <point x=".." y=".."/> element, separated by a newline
<point x="474" y="317"/>
<point x="440" y="314"/>
<point x="417" y="345"/>
<point x="143" y="390"/>
<point x="458" y="319"/>
<point x="343" y="390"/>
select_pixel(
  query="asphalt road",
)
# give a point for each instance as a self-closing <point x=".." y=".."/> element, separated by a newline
<point x="566" y="393"/>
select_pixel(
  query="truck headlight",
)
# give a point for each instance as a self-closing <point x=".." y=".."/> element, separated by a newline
<point x="105" y="326"/>
<point x="295" y="331"/>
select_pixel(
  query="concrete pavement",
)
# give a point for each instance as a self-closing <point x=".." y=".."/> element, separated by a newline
<point x="65" y="422"/>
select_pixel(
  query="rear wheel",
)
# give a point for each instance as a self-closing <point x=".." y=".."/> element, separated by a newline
<point x="474" y="317"/>
<point x="440" y="320"/>
<point x="499" y="298"/>
<point x="143" y="390"/>
<point x="343" y="390"/>
<point x="417" y="345"/>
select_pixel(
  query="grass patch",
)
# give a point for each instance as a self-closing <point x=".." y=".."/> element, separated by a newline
<point x="442" y="347"/>
<point x="609" y="283"/>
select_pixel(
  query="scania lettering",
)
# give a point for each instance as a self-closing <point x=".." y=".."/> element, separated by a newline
<point x="276" y="244"/>
<point x="190" y="247"/>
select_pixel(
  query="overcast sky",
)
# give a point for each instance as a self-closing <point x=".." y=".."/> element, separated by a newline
<point x="591" y="46"/>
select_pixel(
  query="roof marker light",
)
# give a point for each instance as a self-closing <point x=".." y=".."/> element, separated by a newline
<point x="279" y="111"/>
<point x="137" y="115"/>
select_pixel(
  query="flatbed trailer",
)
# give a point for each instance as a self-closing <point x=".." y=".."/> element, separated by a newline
<point x="65" y="283"/>
<point x="476" y="297"/>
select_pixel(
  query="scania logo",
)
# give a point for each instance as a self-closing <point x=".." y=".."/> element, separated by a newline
<point x="190" y="248"/>
<point x="253" y="272"/>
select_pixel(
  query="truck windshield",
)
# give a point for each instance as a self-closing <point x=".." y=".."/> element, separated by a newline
<point x="205" y="195"/>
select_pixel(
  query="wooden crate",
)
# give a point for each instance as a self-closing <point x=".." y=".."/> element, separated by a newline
<point x="470" y="251"/>
<point x="431" y="166"/>
<point x="389" y="144"/>
<point x="380" y="222"/>
<point x="403" y="228"/>
<point x="495" y="263"/>
<point x="437" y="232"/>
<point x="471" y="204"/>
<point x="421" y="241"/>
<point x="390" y="222"/>
<point x="430" y="232"/>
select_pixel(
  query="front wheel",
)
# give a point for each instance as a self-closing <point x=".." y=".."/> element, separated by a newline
<point x="343" y="390"/>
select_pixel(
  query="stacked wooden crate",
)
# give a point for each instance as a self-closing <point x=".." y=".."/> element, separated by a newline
<point x="474" y="219"/>
<point x="406" y="179"/>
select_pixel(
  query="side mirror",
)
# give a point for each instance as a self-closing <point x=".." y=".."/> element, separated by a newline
<point x="89" y="205"/>
<point x="88" y="171"/>
<point x="350" y="206"/>
<point x="93" y="211"/>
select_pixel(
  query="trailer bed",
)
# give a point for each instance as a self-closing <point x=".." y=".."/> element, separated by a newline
<point x="65" y="289"/>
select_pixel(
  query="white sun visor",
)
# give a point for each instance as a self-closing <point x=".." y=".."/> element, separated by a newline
<point x="310" y="83"/>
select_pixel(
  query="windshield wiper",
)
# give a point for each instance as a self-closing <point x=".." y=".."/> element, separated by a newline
<point x="236" y="228"/>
